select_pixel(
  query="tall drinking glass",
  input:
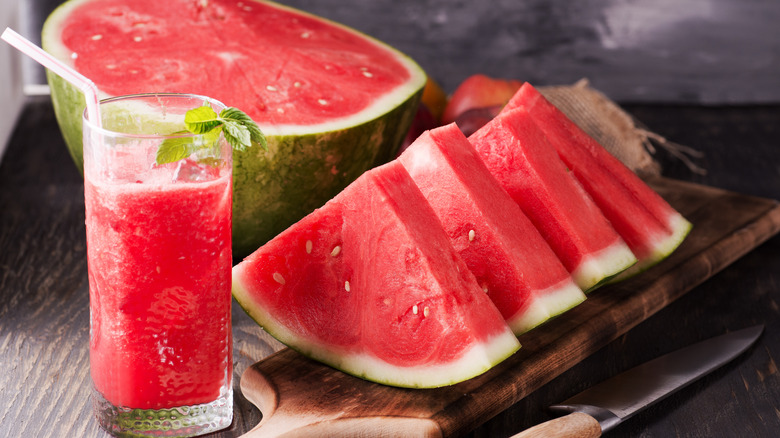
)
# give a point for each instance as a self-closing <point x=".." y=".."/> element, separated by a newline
<point x="159" y="257"/>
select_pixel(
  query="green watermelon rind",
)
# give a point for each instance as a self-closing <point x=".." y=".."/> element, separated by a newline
<point x="472" y="363"/>
<point x="304" y="167"/>
<point x="269" y="205"/>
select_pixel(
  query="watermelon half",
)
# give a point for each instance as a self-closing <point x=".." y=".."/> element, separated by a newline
<point x="510" y="259"/>
<point x="371" y="285"/>
<point x="332" y="101"/>
<point x="647" y="223"/>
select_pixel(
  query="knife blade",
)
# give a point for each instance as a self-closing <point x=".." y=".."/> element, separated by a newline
<point x="600" y="408"/>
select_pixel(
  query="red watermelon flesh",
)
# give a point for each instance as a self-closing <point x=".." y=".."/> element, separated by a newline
<point x="143" y="50"/>
<point x="518" y="154"/>
<point x="510" y="259"/>
<point x="371" y="285"/>
<point x="648" y="224"/>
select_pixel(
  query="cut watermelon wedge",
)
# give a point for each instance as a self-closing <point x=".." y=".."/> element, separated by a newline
<point x="510" y="259"/>
<point x="371" y="285"/>
<point x="518" y="154"/>
<point x="647" y="223"/>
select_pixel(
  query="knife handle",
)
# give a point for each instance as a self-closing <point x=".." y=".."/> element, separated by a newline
<point x="574" y="425"/>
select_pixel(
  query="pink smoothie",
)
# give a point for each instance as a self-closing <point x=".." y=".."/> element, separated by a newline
<point x="159" y="277"/>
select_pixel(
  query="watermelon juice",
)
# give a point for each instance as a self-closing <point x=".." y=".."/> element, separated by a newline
<point x="159" y="262"/>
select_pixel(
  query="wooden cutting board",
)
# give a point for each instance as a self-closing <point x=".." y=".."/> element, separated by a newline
<point x="305" y="398"/>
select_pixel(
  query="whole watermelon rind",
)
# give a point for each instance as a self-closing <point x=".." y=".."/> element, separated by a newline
<point x="304" y="167"/>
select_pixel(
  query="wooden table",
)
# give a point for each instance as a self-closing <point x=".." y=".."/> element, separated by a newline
<point x="44" y="317"/>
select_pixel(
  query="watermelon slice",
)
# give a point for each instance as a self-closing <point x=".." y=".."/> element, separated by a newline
<point x="371" y="285"/>
<point x="648" y="224"/>
<point x="332" y="101"/>
<point x="517" y="152"/>
<point x="510" y="259"/>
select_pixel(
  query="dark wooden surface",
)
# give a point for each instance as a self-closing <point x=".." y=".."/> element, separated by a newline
<point x="300" y="396"/>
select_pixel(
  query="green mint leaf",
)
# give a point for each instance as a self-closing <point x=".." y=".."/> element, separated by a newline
<point x="174" y="149"/>
<point x="240" y="131"/>
<point x="201" y="120"/>
<point x="237" y="135"/>
<point x="258" y="137"/>
<point x="255" y="134"/>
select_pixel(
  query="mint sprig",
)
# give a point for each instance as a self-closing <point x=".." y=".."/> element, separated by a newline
<point x="240" y="131"/>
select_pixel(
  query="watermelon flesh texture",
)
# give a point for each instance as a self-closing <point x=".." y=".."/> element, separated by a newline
<point x="332" y="101"/>
<point x="510" y="259"/>
<point x="371" y="285"/>
<point x="518" y="154"/>
<point x="647" y="223"/>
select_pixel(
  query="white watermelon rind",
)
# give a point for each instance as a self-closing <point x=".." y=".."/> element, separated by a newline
<point x="547" y="304"/>
<point x="664" y="246"/>
<point x="472" y="363"/>
<point x="304" y="167"/>
<point x="600" y="267"/>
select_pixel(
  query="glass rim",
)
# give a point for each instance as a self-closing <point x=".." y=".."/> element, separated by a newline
<point x="109" y="132"/>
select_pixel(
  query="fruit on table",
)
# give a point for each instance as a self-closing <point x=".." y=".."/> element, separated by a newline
<point x="428" y="113"/>
<point x="478" y="92"/>
<point x="510" y="259"/>
<point x="333" y="102"/>
<point x="348" y="283"/>
<point x="520" y="157"/>
<point x="434" y="98"/>
<point x="647" y="223"/>
<point x="471" y="120"/>
<point x="371" y="285"/>
<point x="422" y="122"/>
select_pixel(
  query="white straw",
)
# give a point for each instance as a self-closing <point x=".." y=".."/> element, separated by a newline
<point x="69" y="74"/>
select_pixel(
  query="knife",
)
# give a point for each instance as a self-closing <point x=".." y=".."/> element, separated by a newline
<point x="602" y="407"/>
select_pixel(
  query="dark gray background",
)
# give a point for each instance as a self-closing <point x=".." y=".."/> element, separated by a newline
<point x="662" y="51"/>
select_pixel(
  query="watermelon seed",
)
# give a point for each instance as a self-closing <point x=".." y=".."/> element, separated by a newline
<point x="270" y="88"/>
<point x="414" y="309"/>
<point x="297" y="84"/>
<point x="336" y="251"/>
<point x="367" y="74"/>
<point x="322" y="101"/>
<point x="137" y="39"/>
<point x="305" y="35"/>
<point x="74" y="55"/>
<point x="346" y="285"/>
<point x="426" y="311"/>
<point x="308" y="246"/>
<point x="472" y="234"/>
<point x="97" y="37"/>
<point x="278" y="278"/>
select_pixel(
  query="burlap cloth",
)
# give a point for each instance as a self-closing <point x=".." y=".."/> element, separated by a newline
<point x="616" y="130"/>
